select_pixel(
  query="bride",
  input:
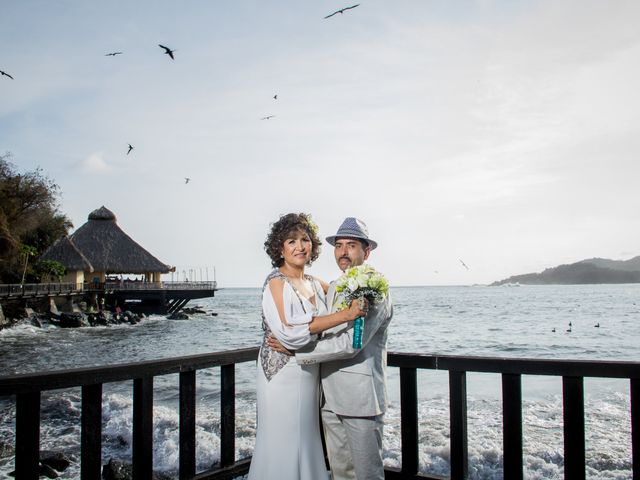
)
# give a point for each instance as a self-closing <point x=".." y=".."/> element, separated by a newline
<point x="288" y="444"/>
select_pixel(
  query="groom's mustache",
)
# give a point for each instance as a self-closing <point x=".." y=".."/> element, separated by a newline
<point x="344" y="258"/>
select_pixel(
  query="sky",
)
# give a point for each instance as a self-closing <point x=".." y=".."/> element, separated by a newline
<point x="499" y="133"/>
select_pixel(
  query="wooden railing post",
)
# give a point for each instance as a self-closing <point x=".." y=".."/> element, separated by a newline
<point x="228" y="415"/>
<point x="409" y="420"/>
<point x="91" y="432"/>
<point x="635" y="426"/>
<point x="187" y="425"/>
<point x="512" y="425"/>
<point x="143" y="428"/>
<point x="27" y="436"/>
<point x="574" y="439"/>
<point x="458" y="425"/>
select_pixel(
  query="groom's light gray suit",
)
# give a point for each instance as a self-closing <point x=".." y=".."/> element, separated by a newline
<point x="354" y="389"/>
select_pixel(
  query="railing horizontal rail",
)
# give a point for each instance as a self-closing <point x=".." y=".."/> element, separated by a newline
<point x="524" y="366"/>
<point x="32" y="382"/>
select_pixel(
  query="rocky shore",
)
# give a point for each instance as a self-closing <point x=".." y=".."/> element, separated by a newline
<point x="79" y="316"/>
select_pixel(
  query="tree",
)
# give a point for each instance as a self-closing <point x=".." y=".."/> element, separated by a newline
<point x="29" y="217"/>
<point x="49" y="270"/>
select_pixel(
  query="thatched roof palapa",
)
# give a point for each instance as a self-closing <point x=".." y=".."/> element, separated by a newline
<point x="107" y="248"/>
<point x="66" y="252"/>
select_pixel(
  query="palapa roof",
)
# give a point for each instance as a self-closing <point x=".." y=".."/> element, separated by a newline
<point x="106" y="247"/>
<point x="66" y="252"/>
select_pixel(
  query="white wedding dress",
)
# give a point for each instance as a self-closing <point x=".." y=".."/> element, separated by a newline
<point x="288" y="444"/>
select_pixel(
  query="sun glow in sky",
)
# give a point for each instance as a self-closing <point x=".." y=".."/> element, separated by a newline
<point x="500" y="133"/>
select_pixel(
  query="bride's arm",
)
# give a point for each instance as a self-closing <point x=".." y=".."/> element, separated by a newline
<point x="315" y="324"/>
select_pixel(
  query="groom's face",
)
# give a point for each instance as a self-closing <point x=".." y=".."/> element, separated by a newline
<point x="350" y="252"/>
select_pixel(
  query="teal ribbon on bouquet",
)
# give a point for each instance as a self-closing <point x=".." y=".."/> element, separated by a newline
<point x="357" y="282"/>
<point x="358" y="326"/>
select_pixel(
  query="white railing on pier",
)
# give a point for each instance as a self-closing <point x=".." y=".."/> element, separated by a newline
<point x="132" y="285"/>
<point x="35" y="289"/>
<point x="47" y="289"/>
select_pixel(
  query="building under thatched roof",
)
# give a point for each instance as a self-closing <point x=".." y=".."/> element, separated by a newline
<point x="101" y="247"/>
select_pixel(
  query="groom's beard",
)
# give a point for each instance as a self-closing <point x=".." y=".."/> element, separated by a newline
<point x="345" y="262"/>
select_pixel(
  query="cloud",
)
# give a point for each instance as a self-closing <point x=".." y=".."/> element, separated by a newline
<point x="95" y="164"/>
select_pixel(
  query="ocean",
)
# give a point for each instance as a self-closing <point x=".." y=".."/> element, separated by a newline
<point x="515" y="322"/>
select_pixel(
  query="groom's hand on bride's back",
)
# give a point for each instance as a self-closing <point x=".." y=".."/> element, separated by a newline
<point x="274" y="344"/>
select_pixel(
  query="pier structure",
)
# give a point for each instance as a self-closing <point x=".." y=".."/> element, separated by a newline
<point x="144" y="297"/>
<point x="28" y="388"/>
<point x="99" y="259"/>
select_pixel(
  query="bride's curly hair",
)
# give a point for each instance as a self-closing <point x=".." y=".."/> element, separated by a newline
<point x="281" y="230"/>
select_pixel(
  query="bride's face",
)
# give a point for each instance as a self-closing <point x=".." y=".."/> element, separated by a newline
<point x="296" y="249"/>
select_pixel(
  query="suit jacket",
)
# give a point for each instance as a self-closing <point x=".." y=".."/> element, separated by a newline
<point x="353" y="380"/>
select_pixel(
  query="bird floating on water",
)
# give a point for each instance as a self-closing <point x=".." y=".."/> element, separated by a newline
<point x="267" y="117"/>
<point x="130" y="148"/>
<point x="5" y="74"/>
<point x="597" y="325"/>
<point x="553" y="329"/>
<point x="342" y="10"/>
<point x="167" y="51"/>
<point x="112" y="54"/>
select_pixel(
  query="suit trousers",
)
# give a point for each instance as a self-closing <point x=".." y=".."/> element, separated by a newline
<point x="354" y="446"/>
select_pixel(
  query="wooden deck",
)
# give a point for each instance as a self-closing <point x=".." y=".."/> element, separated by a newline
<point x="28" y="388"/>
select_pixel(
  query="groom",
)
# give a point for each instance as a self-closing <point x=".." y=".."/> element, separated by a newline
<point x="353" y="380"/>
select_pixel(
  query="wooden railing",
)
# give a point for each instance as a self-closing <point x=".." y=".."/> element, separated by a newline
<point x="572" y="372"/>
<point x="53" y="289"/>
<point x="143" y="286"/>
<point x="28" y="387"/>
<point x="39" y="289"/>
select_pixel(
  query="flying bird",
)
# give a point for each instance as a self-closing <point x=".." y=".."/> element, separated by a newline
<point x="6" y="74"/>
<point x="186" y="180"/>
<point x="464" y="264"/>
<point x="268" y="117"/>
<point x="167" y="51"/>
<point x="275" y="97"/>
<point x="341" y="11"/>
<point x="112" y="54"/>
<point x="130" y="148"/>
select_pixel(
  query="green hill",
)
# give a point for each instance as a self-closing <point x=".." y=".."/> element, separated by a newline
<point x="595" y="270"/>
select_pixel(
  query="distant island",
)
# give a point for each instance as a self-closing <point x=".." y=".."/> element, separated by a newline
<point x="594" y="270"/>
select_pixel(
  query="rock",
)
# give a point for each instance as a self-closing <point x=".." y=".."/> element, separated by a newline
<point x="133" y="317"/>
<point x="56" y="460"/>
<point x="6" y="450"/>
<point x="43" y="470"/>
<point x="47" y="471"/>
<point x="178" y="316"/>
<point x="119" y="470"/>
<point x="193" y="310"/>
<point x="73" y="320"/>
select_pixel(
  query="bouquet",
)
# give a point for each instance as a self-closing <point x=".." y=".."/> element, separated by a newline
<point x="358" y="282"/>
